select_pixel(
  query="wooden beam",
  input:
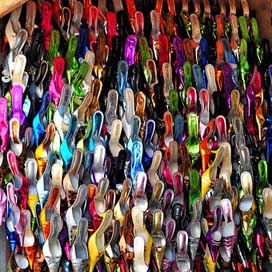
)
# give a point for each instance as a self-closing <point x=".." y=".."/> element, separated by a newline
<point x="8" y="6"/>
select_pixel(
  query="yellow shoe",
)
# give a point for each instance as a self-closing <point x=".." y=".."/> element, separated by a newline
<point x="96" y="243"/>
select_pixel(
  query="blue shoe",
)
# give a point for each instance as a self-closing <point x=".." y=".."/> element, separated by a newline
<point x="39" y="121"/>
<point x="98" y="120"/>
<point x="178" y="128"/>
<point x="149" y="147"/>
<point x="136" y="159"/>
<point x="67" y="146"/>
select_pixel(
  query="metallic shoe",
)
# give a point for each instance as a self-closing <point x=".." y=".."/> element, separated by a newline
<point x="182" y="257"/>
<point x="52" y="249"/>
<point x="79" y="250"/>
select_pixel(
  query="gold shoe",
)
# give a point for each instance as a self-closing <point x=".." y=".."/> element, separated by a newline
<point x="209" y="176"/>
<point x="158" y="239"/>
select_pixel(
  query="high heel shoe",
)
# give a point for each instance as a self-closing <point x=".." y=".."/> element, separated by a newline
<point x="52" y="249"/>
<point x="182" y="257"/>
<point x="262" y="183"/>
<point x="15" y="141"/>
<point x="74" y="213"/>
<point x="140" y="198"/>
<point x="170" y="254"/>
<point x="4" y="123"/>
<point x="139" y="261"/>
<point x="17" y="217"/>
<point x="194" y="228"/>
<point x="41" y="152"/>
<point x="3" y="205"/>
<point x="247" y="206"/>
<point x="79" y="250"/>
<point x="267" y="214"/>
<point x="158" y="239"/>
<point x="229" y="235"/>
<point x="140" y="230"/>
<point x="71" y="179"/>
<point x="209" y="176"/>
<point x="214" y="235"/>
<point x="29" y="240"/>
<point x="20" y="182"/>
<point x="48" y="210"/>
<point x="97" y="244"/>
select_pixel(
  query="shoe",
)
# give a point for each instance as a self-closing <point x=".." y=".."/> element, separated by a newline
<point x="204" y="115"/>
<point x="267" y="215"/>
<point x="226" y="167"/>
<point x="193" y="140"/>
<point x="182" y="257"/>
<point x="194" y="192"/>
<point x="15" y="141"/>
<point x="74" y="213"/>
<point x="209" y="176"/>
<point x="71" y="179"/>
<point x="98" y="171"/>
<point x="152" y="174"/>
<point x="262" y="183"/>
<point x="17" y="217"/>
<point x="79" y="250"/>
<point x="130" y="49"/>
<point x="122" y="206"/>
<point x="194" y="228"/>
<point x="229" y="235"/>
<point x="67" y="145"/>
<point x="96" y="242"/>
<point x="139" y="260"/>
<point x="149" y="146"/>
<point x="111" y="108"/>
<point x="42" y="150"/>
<point x="4" y="124"/>
<point x="48" y="210"/>
<point x="214" y="235"/>
<point x="31" y="170"/>
<point x="170" y="254"/>
<point x="17" y="103"/>
<point x="3" y="205"/>
<point x="211" y="86"/>
<point x="29" y="240"/>
<point x="52" y="249"/>
<point x="129" y="112"/>
<point x="97" y="124"/>
<point x="140" y="230"/>
<point x="136" y="159"/>
<point x="140" y="198"/>
<point x="20" y="182"/>
<point x="154" y="202"/>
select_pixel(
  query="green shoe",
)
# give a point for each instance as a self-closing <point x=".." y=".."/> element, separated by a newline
<point x="243" y="28"/>
<point x="70" y="60"/>
<point x="256" y="37"/>
<point x="194" y="187"/>
<point x="244" y="66"/>
<point x="187" y="73"/>
<point x="145" y="54"/>
<point x="262" y="183"/>
<point x="53" y="50"/>
<point x="193" y="139"/>
<point x="173" y="102"/>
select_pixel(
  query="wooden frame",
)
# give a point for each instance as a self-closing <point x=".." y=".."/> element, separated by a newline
<point x="7" y="6"/>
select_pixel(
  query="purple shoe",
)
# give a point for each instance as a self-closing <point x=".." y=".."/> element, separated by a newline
<point x="3" y="205"/>
<point x="214" y="235"/>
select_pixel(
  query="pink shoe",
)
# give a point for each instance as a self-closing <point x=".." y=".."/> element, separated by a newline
<point x="3" y="205"/>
